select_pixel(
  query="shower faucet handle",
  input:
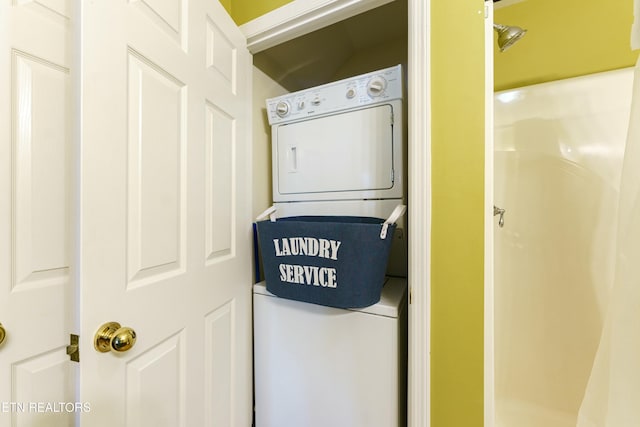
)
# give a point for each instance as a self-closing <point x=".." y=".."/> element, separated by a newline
<point x="499" y="211"/>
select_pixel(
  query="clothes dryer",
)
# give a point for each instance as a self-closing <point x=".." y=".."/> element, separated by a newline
<point x="342" y="141"/>
<point x="340" y="149"/>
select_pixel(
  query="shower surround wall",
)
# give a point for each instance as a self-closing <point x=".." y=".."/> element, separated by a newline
<point x="558" y="160"/>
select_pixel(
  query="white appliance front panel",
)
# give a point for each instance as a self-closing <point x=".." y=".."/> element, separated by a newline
<point x="353" y="154"/>
<point x="319" y="366"/>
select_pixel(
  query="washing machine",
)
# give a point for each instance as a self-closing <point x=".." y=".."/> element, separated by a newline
<point x="337" y="149"/>
<point x="318" y="366"/>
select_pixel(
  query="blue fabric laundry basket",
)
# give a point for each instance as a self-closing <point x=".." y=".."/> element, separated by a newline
<point x="336" y="261"/>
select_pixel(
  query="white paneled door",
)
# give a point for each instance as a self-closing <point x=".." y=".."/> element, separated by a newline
<point x="36" y="258"/>
<point x="124" y="197"/>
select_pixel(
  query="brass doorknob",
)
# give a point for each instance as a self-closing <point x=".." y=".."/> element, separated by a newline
<point x="3" y="333"/>
<point x="112" y="336"/>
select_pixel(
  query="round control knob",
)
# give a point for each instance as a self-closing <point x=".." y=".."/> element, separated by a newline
<point x="282" y="108"/>
<point x="376" y="86"/>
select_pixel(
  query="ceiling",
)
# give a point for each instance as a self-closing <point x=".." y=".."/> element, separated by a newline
<point x="317" y="57"/>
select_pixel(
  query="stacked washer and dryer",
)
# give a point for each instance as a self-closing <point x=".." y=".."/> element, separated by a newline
<point x="337" y="149"/>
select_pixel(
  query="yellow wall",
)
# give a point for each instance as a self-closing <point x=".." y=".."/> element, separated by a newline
<point x="243" y="11"/>
<point x="565" y="39"/>
<point x="457" y="242"/>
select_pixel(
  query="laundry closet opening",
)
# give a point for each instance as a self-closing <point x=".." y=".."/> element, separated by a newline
<point x="286" y="357"/>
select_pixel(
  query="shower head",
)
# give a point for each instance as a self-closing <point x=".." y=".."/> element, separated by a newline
<point x="508" y="35"/>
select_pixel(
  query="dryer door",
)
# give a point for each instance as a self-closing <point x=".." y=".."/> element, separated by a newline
<point x="333" y="156"/>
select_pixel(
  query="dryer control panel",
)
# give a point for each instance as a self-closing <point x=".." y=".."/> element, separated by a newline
<point x="355" y="92"/>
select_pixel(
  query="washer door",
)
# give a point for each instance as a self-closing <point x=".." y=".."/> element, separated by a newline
<point x="347" y="152"/>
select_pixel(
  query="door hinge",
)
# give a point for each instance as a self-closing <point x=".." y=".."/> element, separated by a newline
<point x="73" y="349"/>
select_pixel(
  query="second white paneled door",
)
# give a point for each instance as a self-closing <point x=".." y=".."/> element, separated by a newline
<point x="165" y="213"/>
<point x="125" y="196"/>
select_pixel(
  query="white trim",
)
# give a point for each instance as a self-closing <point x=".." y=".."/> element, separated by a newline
<point x="489" y="224"/>
<point x="419" y="80"/>
<point x="300" y="17"/>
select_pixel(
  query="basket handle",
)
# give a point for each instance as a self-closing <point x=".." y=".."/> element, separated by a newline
<point x="269" y="212"/>
<point x="397" y="213"/>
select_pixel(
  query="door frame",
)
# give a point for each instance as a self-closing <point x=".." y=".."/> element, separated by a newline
<point x="301" y="17"/>
<point x="304" y="16"/>
<point x="489" y="224"/>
